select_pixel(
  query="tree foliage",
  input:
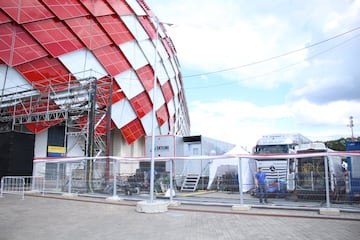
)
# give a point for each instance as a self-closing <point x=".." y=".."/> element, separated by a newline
<point x="339" y="144"/>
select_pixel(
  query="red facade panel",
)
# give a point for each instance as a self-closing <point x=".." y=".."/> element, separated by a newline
<point x="162" y="115"/>
<point x="25" y="10"/>
<point x="4" y="18"/>
<point x="141" y="104"/>
<point x="148" y="26"/>
<point x="17" y="46"/>
<point x="41" y="126"/>
<point x="54" y="36"/>
<point x="120" y="7"/>
<point x="45" y="71"/>
<point x="116" y="29"/>
<point x="97" y="8"/>
<point x="146" y="76"/>
<point x="167" y="91"/>
<point x="101" y="127"/>
<point x="71" y="9"/>
<point x="112" y="59"/>
<point x="117" y="93"/>
<point x="87" y="29"/>
<point x="132" y="131"/>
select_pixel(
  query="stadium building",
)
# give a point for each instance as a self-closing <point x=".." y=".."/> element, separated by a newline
<point x="77" y="79"/>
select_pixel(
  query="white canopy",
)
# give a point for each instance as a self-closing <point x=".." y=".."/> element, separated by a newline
<point x="222" y="166"/>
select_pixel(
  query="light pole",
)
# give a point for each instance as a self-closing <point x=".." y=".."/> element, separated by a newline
<point x="351" y="125"/>
<point x="152" y="162"/>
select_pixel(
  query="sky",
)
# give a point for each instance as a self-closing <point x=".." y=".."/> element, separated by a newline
<point x="252" y="68"/>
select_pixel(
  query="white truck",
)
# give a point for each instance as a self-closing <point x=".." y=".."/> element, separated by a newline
<point x="280" y="178"/>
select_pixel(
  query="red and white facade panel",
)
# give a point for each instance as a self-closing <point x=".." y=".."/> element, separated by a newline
<point x="76" y="39"/>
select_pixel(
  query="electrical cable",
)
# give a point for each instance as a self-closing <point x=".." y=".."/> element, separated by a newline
<point x="282" y="68"/>
<point x="274" y="57"/>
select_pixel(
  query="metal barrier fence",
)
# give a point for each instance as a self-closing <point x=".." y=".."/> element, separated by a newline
<point x="308" y="180"/>
<point x="18" y="185"/>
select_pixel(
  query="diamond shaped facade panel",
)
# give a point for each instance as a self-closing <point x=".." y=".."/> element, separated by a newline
<point x="25" y="10"/>
<point x="72" y="8"/>
<point x="54" y="36"/>
<point x="17" y="46"/>
<point x="48" y="45"/>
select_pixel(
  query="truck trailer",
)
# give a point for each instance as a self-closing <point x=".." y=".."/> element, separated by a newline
<point x="310" y="181"/>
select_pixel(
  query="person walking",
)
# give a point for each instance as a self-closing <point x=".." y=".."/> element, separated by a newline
<point x="260" y="183"/>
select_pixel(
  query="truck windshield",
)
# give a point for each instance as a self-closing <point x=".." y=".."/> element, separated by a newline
<point x="266" y="149"/>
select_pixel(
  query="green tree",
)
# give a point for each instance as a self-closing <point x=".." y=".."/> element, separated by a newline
<point x="339" y="144"/>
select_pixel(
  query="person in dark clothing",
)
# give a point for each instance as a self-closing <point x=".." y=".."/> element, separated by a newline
<point x="260" y="183"/>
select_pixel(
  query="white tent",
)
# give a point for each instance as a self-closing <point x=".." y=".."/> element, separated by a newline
<point x="222" y="166"/>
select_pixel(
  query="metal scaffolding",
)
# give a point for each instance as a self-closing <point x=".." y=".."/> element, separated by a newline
<point x="82" y="105"/>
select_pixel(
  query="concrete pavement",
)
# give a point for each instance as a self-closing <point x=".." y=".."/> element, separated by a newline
<point x="55" y="217"/>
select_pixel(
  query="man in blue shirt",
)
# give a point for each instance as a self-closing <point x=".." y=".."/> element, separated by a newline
<point x="260" y="183"/>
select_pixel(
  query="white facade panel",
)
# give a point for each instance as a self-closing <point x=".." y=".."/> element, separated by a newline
<point x="40" y="149"/>
<point x="174" y="86"/>
<point x="160" y="100"/>
<point x="146" y="122"/>
<point x="136" y="7"/>
<point x="122" y="113"/>
<point x="133" y="24"/>
<point x="148" y="48"/>
<point x="129" y="83"/>
<point x="74" y="148"/>
<point x="12" y="81"/>
<point x="171" y="107"/>
<point x="164" y="129"/>
<point x="82" y="63"/>
<point x="169" y="68"/>
<point x="161" y="49"/>
<point x="161" y="73"/>
<point x="175" y="66"/>
<point x="134" y="54"/>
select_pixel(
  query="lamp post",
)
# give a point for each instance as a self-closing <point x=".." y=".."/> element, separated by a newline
<point x="152" y="162"/>
<point x="151" y="206"/>
<point x="351" y="125"/>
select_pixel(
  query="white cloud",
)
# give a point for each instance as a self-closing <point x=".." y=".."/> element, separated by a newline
<point x="244" y="122"/>
<point x="213" y="35"/>
<point x="331" y="114"/>
<point x="216" y="35"/>
<point x="234" y="121"/>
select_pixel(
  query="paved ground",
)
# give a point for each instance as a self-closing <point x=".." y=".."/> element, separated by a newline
<point x="55" y="217"/>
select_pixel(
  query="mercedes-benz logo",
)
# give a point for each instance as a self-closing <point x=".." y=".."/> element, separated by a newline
<point x="272" y="168"/>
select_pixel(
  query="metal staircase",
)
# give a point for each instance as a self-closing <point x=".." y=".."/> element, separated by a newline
<point x="190" y="183"/>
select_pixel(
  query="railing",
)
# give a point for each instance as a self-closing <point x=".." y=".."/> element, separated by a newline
<point x="128" y="178"/>
<point x="18" y="185"/>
